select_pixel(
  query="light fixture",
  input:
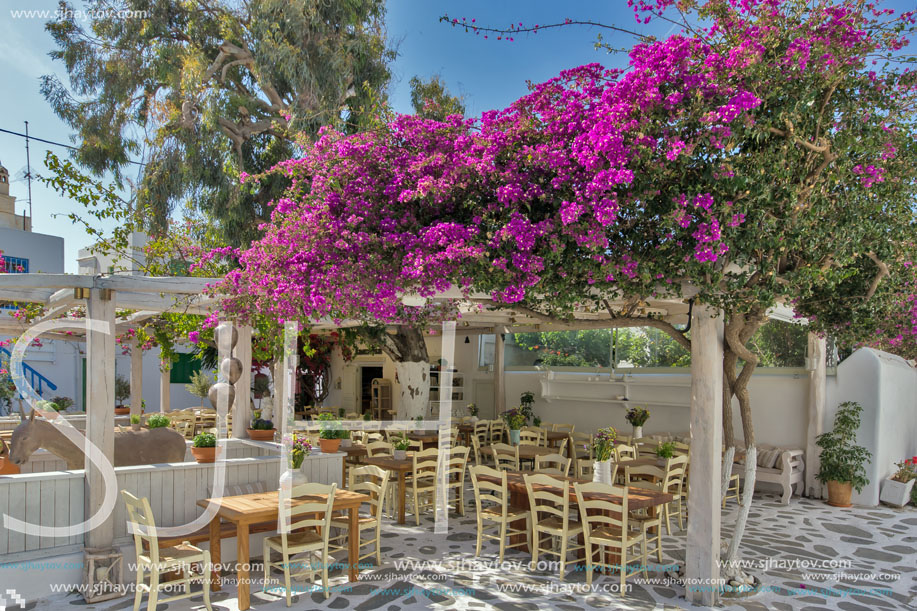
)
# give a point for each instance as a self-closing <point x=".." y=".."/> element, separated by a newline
<point x="467" y="340"/>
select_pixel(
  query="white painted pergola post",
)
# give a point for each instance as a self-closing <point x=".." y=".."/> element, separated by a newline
<point x="817" y="365"/>
<point x="100" y="411"/>
<point x="165" y="385"/>
<point x="242" y="406"/>
<point x="702" y="568"/>
<point x="499" y="382"/>
<point x="136" y="378"/>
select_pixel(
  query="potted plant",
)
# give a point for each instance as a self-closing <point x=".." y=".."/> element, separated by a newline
<point x="603" y="445"/>
<point x="367" y="417"/>
<point x="637" y="417"/>
<point x="330" y="433"/>
<point x="515" y="420"/>
<point x="666" y="449"/>
<point x="200" y="386"/>
<point x="122" y="392"/>
<point x="204" y="447"/>
<point x="843" y="462"/>
<point x="7" y="467"/>
<point x="897" y="489"/>
<point x="526" y="403"/>
<point x="261" y="385"/>
<point x="536" y="421"/>
<point x="260" y="430"/>
<point x="62" y="403"/>
<point x="48" y="406"/>
<point x="400" y="446"/>
<point x="135" y="422"/>
<point x="341" y="412"/>
<point x="473" y="412"/>
<point x="299" y="449"/>
<point x="155" y="421"/>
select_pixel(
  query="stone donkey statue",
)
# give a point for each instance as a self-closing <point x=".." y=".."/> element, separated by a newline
<point x="144" y="447"/>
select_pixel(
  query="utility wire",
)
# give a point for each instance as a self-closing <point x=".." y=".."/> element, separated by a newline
<point x="51" y="142"/>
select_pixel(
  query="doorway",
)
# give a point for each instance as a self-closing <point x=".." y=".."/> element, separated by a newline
<point x="367" y="375"/>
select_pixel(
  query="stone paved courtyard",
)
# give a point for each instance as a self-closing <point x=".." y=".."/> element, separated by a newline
<point x="879" y="543"/>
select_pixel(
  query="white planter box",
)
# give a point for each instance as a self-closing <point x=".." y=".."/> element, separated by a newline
<point x="896" y="493"/>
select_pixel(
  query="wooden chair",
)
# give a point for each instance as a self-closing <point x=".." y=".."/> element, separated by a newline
<point x="476" y="451"/>
<point x="606" y="525"/>
<point x="530" y="436"/>
<point x="549" y="503"/>
<point x="585" y="470"/>
<point x="646" y="446"/>
<point x="648" y="477"/>
<point x="379" y="448"/>
<point x="371" y="437"/>
<point x="302" y="538"/>
<point x="373" y="482"/>
<point x="455" y="476"/>
<point x="565" y="428"/>
<point x="165" y="561"/>
<point x="505" y="456"/>
<point x="552" y="464"/>
<point x="497" y="431"/>
<point x="423" y="480"/>
<point x="183" y="422"/>
<point x="491" y="502"/>
<point x="482" y="431"/>
<point x="579" y="446"/>
<point x="624" y="452"/>
<point x="675" y="475"/>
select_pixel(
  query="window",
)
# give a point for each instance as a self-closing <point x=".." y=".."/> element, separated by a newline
<point x="486" y="345"/>
<point x="13" y="265"/>
<point x="183" y="369"/>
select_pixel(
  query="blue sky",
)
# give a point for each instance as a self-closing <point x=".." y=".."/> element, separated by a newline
<point x="488" y="73"/>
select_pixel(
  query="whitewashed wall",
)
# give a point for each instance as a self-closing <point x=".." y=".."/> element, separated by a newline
<point x="886" y="387"/>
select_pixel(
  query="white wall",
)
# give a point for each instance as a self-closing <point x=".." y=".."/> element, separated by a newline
<point x="886" y="387"/>
<point x="44" y="252"/>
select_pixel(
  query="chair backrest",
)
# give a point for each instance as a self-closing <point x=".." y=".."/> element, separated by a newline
<point x="580" y="442"/>
<point x="562" y="447"/>
<point x="371" y="481"/>
<point x="352" y="415"/>
<point x="529" y="436"/>
<point x="556" y="464"/>
<point x="425" y="463"/>
<point x="584" y="469"/>
<point x="675" y="470"/>
<point x="141" y="524"/>
<point x="497" y="431"/>
<point x="489" y="492"/>
<point x="482" y="431"/>
<point x="607" y="513"/>
<point x="505" y="456"/>
<point x="681" y="448"/>
<point x="646" y="441"/>
<point x="371" y="437"/>
<point x="649" y="477"/>
<point x="548" y="495"/>
<point x="566" y="428"/>
<point x="379" y="448"/>
<point x="625" y="452"/>
<point x="309" y="514"/>
<point x="476" y="449"/>
<point x="455" y="466"/>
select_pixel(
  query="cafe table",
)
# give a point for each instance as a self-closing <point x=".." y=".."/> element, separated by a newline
<point x="396" y="465"/>
<point x="553" y="438"/>
<point x="425" y="437"/>
<point x="526" y="452"/>
<point x="247" y="509"/>
<point x="356" y="452"/>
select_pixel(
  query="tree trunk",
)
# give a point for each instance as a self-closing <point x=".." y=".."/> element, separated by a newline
<point x="407" y="348"/>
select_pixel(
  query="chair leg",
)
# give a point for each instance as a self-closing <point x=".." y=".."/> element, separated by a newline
<point x="325" y="576"/>
<point x="286" y="580"/>
<point x="477" y="544"/>
<point x="206" y="581"/>
<point x="502" y="540"/>
<point x="588" y="551"/>
<point x="622" y="570"/>
<point x="563" y="556"/>
<point x="138" y="593"/>
<point x="154" y="590"/>
<point x="534" y="549"/>
<point x="266" y="561"/>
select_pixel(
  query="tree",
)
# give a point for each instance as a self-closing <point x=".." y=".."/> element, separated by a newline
<point x="209" y="91"/>
<point x="431" y="100"/>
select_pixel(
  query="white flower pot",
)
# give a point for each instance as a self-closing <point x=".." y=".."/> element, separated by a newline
<point x="296" y="475"/>
<point x="601" y="471"/>
<point x="638" y="432"/>
<point x="399" y="454"/>
<point x="896" y="493"/>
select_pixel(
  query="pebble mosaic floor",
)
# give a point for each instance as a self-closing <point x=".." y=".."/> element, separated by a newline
<point x="809" y="556"/>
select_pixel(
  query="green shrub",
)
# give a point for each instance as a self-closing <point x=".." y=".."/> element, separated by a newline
<point x="157" y="421"/>
<point x="666" y="449"/>
<point x="841" y="459"/>
<point x="204" y="440"/>
<point x="135" y="418"/>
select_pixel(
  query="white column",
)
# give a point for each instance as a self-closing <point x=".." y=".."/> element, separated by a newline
<point x="817" y="365"/>
<point x="136" y="378"/>
<point x="703" y="540"/>
<point x="242" y="407"/>
<point x="499" y="381"/>
<point x="165" y="386"/>
<point x="100" y="411"/>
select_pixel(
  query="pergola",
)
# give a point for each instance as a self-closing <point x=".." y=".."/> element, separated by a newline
<point x="149" y="296"/>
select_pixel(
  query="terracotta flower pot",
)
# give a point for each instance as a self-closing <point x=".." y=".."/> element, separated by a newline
<point x="122" y="411"/>
<point x="329" y="446"/>
<point x="261" y="434"/>
<point x="204" y="455"/>
<point x="7" y="467"/>
<point x="839" y="493"/>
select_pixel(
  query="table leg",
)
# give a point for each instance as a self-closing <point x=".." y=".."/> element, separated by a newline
<point x="242" y="561"/>
<point x="401" y="495"/>
<point x="353" y="540"/>
<point x="215" y="552"/>
<point x="344" y="473"/>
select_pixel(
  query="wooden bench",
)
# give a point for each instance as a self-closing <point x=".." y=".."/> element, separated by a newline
<point x="788" y="470"/>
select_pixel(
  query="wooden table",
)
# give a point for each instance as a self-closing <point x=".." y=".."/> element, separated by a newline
<point x="466" y="431"/>
<point x="425" y="437"/>
<point x="526" y="452"/>
<point x="553" y="437"/>
<point x="355" y="454"/>
<point x="401" y="467"/>
<point x="246" y="509"/>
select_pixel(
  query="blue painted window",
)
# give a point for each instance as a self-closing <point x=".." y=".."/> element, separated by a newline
<point x="14" y="265"/>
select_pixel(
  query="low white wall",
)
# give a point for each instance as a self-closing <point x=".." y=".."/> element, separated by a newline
<point x="885" y="386"/>
<point x="779" y="406"/>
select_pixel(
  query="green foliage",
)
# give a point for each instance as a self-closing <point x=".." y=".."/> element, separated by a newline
<point x="367" y="417"/>
<point x="204" y="440"/>
<point x="47" y="405"/>
<point x="200" y="384"/>
<point x="62" y="402"/>
<point x="217" y="91"/>
<point x="536" y="421"/>
<point x="259" y="424"/>
<point x="432" y="100"/>
<point x="122" y="389"/>
<point x="330" y="427"/>
<point x="780" y="344"/>
<point x="514" y="418"/>
<point x="135" y="418"/>
<point x="841" y="459"/>
<point x="157" y="421"/>
<point x="637" y="415"/>
<point x="666" y="449"/>
<point x="603" y="443"/>
<point x="401" y="443"/>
